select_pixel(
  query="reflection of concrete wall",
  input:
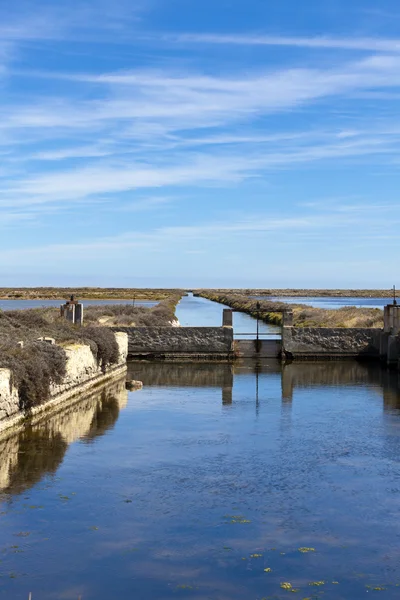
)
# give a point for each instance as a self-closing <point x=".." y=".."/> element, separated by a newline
<point x="318" y="342"/>
<point x="8" y="459"/>
<point x="219" y="375"/>
<point x="300" y="375"/>
<point x="342" y="374"/>
<point x="180" y="374"/>
<point x="180" y="342"/>
<point x="39" y="447"/>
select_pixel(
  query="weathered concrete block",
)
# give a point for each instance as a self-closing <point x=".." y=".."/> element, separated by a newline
<point x="227" y="317"/>
<point x="391" y="317"/>
<point x="321" y="342"/>
<point x="9" y="400"/>
<point x="179" y="341"/>
<point x="81" y="368"/>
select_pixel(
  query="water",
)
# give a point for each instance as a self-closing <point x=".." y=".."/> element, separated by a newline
<point x="330" y="302"/>
<point x="211" y="474"/>
<point x="24" y="304"/>
<point x="198" y="312"/>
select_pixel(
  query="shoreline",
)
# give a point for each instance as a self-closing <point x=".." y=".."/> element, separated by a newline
<point x="301" y="292"/>
<point x="268" y="293"/>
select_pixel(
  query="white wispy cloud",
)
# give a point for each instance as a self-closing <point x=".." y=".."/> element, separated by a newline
<point x="355" y="225"/>
<point x="367" y="44"/>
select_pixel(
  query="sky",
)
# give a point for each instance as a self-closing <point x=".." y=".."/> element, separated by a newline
<point x="221" y="143"/>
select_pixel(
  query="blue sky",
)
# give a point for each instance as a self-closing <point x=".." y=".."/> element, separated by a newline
<point x="177" y="143"/>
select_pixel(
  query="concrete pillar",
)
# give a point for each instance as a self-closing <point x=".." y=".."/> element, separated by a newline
<point x="391" y="317"/>
<point x="227" y="317"/>
<point x="70" y="313"/>
<point x="287" y="318"/>
<point x="78" y="314"/>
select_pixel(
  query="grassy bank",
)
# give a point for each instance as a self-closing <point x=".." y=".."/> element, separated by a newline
<point x="87" y="293"/>
<point x="303" y="315"/>
<point x="161" y="315"/>
<point x="36" y="365"/>
<point x="306" y="293"/>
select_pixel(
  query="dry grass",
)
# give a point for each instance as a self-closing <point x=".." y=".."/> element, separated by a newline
<point x="37" y="365"/>
<point x="304" y="293"/>
<point x="304" y="316"/>
<point x="87" y="293"/>
<point x="161" y="315"/>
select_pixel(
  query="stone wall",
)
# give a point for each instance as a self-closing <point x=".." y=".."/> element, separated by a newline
<point x="260" y="349"/>
<point x="179" y="342"/>
<point x="9" y="400"/>
<point x="82" y="373"/>
<point x="330" y="343"/>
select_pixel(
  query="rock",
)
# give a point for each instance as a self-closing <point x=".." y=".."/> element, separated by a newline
<point x="133" y="386"/>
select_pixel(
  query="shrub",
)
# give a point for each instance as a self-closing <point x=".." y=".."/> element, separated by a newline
<point x="34" y="368"/>
<point x="106" y="348"/>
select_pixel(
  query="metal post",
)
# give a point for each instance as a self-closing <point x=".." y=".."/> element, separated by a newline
<point x="258" y="317"/>
<point x="394" y="296"/>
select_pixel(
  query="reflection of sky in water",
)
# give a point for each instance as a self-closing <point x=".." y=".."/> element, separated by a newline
<point x="199" y="312"/>
<point x="329" y="303"/>
<point x="23" y="304"/>
<point x="170" y="495"/>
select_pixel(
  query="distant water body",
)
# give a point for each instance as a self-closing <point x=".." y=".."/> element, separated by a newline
<point x="24" y="304"/>
<point x="329" y="302"/>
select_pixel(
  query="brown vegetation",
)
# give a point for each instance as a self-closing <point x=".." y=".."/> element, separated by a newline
<point x="37" y="365"/>
<point x="127" y="315"/>
<point x="87" y="293"/>
<point x="303" y="315"/>
<point x="304" y="293"/>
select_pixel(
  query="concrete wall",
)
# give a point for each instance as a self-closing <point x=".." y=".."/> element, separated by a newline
<point x="260" y="349"/>
<point x="9" y="400"/>
<point x="179" y="342"/>
<point x="330" y="343"/>
<point x="82" y="373"/>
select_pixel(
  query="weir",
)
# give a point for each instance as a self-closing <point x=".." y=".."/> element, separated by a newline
<point x="295" y="343"/>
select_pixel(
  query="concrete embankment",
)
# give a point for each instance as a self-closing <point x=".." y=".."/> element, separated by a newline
<point x="82" y="374"/>
<point x="330" y="343"/>
<point x="180" y="343"/>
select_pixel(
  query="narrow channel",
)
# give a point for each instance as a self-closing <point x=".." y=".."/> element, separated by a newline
<point x="193" y="311"/>
<point x="211" y="482"/>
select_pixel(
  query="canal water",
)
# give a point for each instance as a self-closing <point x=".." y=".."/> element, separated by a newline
<point x="199" y="312"/>
<point x="215" y="482"/>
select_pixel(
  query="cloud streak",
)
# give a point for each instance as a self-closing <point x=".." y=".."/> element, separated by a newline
<point x="364" y="44"/>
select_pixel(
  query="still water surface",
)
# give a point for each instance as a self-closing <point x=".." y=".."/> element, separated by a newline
<point x="199" y="312"/>
<point x="206" y="484"/>
<point x="330" y="302"/>
<point x="24" y="304"/>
